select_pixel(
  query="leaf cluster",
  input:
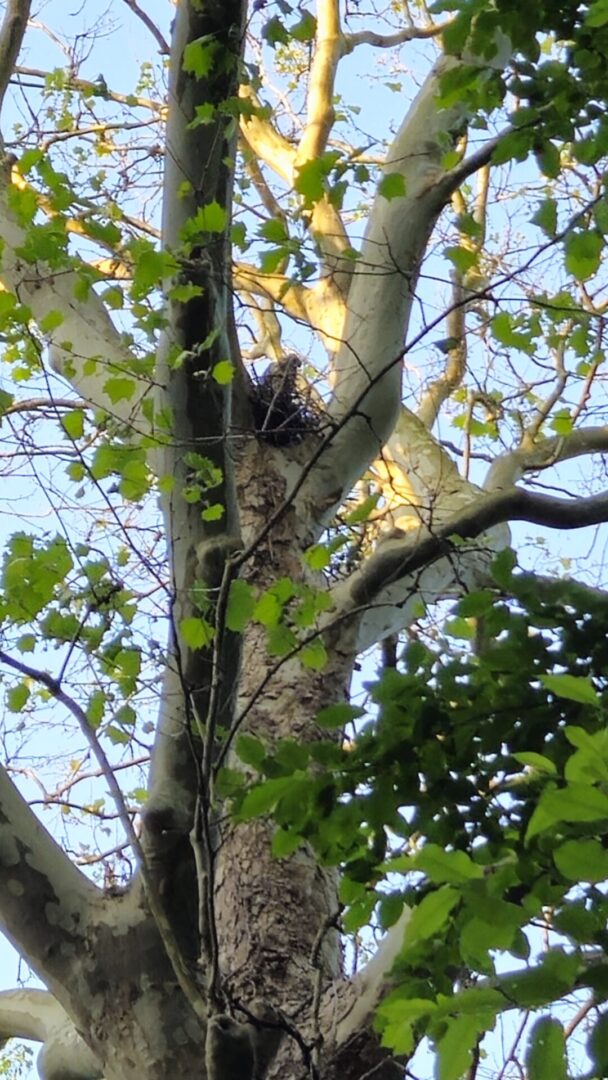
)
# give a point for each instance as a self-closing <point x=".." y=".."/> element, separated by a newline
<point x="476" y="792"/>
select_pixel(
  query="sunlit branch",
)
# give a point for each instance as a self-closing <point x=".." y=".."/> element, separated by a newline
<point x="265" y="141"/>
<point x="544" y="408"/>
<point x="268" y="342"/>
<point x="390" y="41"/>
<point x="508" y="468"/>
<point x="293" y="298"/>
<point x="320" y="111"/>
<point x="270" y="202"/>
<point x="12" y="31"/>
<point x="325" y="222"/>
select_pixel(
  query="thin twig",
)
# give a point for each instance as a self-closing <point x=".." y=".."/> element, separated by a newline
<point x="149" y="23"/>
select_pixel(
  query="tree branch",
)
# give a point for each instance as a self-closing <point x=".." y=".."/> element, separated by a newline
<point x="398" y="557"/>
<point x="325" y="223"/>
<point x="45" y="902"/>
<point x="163" y="46"/>
<point x="509" y="468"/>
<point x="37" y="1015"/>
<point x="166" y="931"/>
<point x="293" y="298"/>
<point x="390" y="41"/>
<point x="319" y="105"/>
<point x="86" y="332"/>
<point x="91" y="89"/>
<point x="12" y="32"/>
<point x="367" y="371"/>
<point x="264" y="140"/>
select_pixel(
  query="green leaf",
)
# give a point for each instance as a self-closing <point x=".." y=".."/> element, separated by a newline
<point x="119" y="388"/>
<point x="583" y="254"/>
<point x="597" y="14"/>
<point x="455" y="1047"/>
<point x="284" y="843"/>
<point x="453" y="867"/>
<point x="223" y="372"/>
<point x="73" y="423"/>
<point x="314" y="655"/>
<point x="582" y="860"/>
<point x="546" y="1056"/>
<point x="274" y="230"/>
<point x="275" y="32"/>
<point x="536" y="761"/>
<point x="397" y="1015"/>
<point x="546" y="217"/>
<point x="17" y="697"/>
<point x="151" y="269"/>
<point x="196" y="633"/>
<point x="548" y="158"/>
<point x="96" y="708"/>
<point x="429" y="917"/>
<point x="392" y="186"/>
<point x="573" y="687"/>
<point x="250" y="750"/>
<point x="241" y="602"/>
<point x="263" y="798"/>
<point x="268" y="609"/>
<point x="339" y="715"/>
<point x="199" y="56"/>
<point x="575" y="802"/>
<point x="597" y="1047"/>
<point x="311" y="177"/>
<point x="306" y="28"/>
<point x="215" y="512"/>
<point x="50" y="322"/>
<point x="317" y="557"/>
<point x="211" y="218"/>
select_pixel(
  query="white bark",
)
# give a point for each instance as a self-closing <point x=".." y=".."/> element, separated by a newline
<point x="86" y="348"/>
<point x="367" y="373"/>
<point x="543" y="453"/>
<point x="36" y="1015"/>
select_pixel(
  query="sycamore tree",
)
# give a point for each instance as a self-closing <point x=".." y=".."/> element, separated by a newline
<point x="284" y="370"/>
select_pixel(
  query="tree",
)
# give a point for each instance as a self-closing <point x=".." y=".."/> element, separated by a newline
<point x="310" y="510"/>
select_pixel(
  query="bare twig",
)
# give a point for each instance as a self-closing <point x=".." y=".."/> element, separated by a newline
<point x="163" y="45"/>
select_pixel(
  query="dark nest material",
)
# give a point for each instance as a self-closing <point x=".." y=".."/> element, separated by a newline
<point x="284" y="410"/>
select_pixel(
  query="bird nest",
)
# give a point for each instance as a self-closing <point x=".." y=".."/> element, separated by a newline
<point x="284" y="409"/>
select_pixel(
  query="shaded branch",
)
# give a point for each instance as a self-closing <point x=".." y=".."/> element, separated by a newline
<point x="37" y="1015"/>
<point x="182" y="974"/>
<point x="45" y="902"/>
<point x="398" y="557"/>
<point x="456" y="363"/>
<point x="12" y="32"/>
<point x="92" y="89"/>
